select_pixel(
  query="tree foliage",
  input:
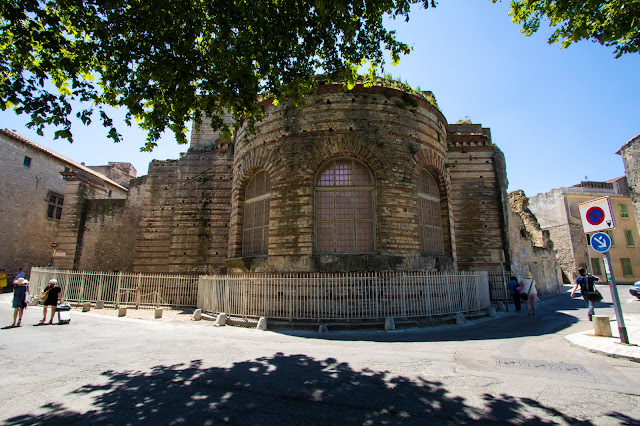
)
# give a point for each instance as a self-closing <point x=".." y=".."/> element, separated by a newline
<point x="612" y="23"/>
<point x="167" y="62"/>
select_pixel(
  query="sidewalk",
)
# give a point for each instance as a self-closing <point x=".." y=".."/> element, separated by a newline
<point x="611" y="346"/>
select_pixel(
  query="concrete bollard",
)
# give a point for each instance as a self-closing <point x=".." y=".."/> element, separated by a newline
<point x="323" y="328"/>
<point x="389" y="324"/>
<point x="86" y="306"/>
<point x="262" y="324"/>
<point x="601" y="326"/>
<point x="460" y="319"/>
<point x="158" y="313"/>
<point x="221" y="320"/>
<point x="492" y="311"/>
<point x="197" y="315"/>
<point x="500" y="307"/>
<point x="100" y="304"/>
<point x="122" y="312"/>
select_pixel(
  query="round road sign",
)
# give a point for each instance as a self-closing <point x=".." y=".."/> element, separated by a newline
<point x="601" y="242"/>
<point x="595" y="215"/>
<point x="54" y="244"/>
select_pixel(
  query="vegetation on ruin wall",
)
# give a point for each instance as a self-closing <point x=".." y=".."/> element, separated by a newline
<point x="169" y="62"/>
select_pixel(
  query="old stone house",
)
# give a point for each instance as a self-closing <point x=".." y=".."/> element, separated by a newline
<point x="32" y="200"/>
<point x="370" y="179"/>
<point x="558" y="213"/>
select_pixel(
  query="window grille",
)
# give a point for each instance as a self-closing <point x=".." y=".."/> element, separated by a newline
<point x="344" y="208"/>
<point x="626" y="266"/>
<point x="26" y="162"/>
<point x="624" y="211"/>
<point x="628" y="235"/>
<point x="595" y="265"/>
<point x="430" y="228"/>
<point x="255" y="238"/>
<point x="54" y="209"/>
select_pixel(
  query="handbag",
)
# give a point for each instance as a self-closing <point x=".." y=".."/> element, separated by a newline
<point x="526" y="296"/>
<point x="594" y="296"/>
<point x="43" y="297"/>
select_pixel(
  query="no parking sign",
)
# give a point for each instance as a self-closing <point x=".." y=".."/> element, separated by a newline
<point x="596" y="215"/>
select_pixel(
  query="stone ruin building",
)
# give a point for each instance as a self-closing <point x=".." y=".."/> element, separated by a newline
<point x="364" y="180"/>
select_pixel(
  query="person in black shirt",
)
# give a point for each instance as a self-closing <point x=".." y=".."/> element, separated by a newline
<point x="586" y="282"/>
<point x="52" y="292"/>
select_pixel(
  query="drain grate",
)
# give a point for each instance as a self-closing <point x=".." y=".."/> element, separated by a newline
<point x="543" y="366"/>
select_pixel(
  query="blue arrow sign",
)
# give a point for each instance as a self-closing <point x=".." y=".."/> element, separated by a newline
<point x="600" y="242"/>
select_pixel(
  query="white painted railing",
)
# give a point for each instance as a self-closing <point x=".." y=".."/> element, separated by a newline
<point x="356" y="296"/>
<point x="119" y="288"/>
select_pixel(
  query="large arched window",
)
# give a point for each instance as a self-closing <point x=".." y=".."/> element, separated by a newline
<point x="344" y="208"/>
<point x="430" y="215"/>
<point x="255" y="235"/>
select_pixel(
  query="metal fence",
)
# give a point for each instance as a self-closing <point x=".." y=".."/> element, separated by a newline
<point x="356" y="296"/>
<point x="119" y="288"/>
<point x="498" y="285"/>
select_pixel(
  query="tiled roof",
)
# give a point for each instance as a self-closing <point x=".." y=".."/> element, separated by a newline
<point x="57" y="156"/>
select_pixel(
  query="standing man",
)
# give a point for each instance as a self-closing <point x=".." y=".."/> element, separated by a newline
<point x="19" y="275"/>
<point x="586" y="282"/>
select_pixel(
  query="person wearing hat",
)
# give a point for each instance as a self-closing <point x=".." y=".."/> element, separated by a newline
<point x="51" y="296"/>
<point x="586" y="282"/>
<point x="20" y="290"/>
<point x="530" y="288"/>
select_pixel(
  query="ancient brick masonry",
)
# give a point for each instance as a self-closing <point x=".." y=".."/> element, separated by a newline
<point x="188" y="215"/>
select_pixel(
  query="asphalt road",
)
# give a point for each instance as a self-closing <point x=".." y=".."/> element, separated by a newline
<point x="509" y="369"/>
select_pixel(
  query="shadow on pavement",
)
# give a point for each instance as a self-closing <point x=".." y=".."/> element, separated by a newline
<point x="284" y="389"/>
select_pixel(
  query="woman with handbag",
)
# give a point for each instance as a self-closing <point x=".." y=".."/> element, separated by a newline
<point x="587" y="285"/>
<point x="50" y="297"/>
<point x="20" y="294"/>
<point x="530" y="293"/>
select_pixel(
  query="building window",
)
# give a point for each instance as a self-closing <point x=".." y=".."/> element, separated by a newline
<point x="624" y="211"/>
<point x="626" y="267"/>
<point x="430" y="220"/>
<point x="595" y="266"/>
<point x="628" y="235"/>
<point x="610" y="234"/>
<point x="27" y="161"/>
<point x="255" y="237"/>
<point x="344" y="208"/>
<point x="54" y="209"/>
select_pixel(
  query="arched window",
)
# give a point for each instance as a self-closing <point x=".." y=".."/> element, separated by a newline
<point x="344" y="208"/>
<point x="255" y="235"/>
<point x="430" y="215"/>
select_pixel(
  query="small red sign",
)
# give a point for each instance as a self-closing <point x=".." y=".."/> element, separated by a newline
<point x="54" y="244"/>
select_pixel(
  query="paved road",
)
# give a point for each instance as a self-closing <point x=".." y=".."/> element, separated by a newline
<point x="509" y="369"/>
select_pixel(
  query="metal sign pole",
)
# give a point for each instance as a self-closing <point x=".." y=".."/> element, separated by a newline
<point x="616" y="300"/>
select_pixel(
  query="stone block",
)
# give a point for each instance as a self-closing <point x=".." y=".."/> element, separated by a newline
<point x="500" y="307"/>
<point x="122" y="312"/>
<point x="158" y="313"/>
<point x="197" y="315"/>
<point x="323" y="328"/>
<point x="221" y="320"/>
<point x="389" y="324"/>
<point x="262" y="324"/>
<point x="460" y="319"/>
<point x="601" y="326"/>
<point x="86" y="306"/>
<point x="100" y="304"/>
<point x="492" y="311"/>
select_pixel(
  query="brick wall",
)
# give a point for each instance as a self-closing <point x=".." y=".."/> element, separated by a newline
<point x="478" y="185"/>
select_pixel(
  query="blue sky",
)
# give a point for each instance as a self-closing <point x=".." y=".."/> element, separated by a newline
<point x="557" y="114"/>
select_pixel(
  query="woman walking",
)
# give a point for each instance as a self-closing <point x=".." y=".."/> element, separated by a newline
<point x="20" y="290"/>
<point x="530" y="288"/>
<point x="51" y="296"/>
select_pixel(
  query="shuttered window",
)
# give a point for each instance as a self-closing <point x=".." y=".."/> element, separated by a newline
<point x="255" y="237"/>
<point x="430" y="220"/>
<point x="344" y="205"/>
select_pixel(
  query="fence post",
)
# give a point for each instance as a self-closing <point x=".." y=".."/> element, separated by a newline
<point x="81" y="295"/>
<point x="118" y="290"/>
<point x="138" y="291"/>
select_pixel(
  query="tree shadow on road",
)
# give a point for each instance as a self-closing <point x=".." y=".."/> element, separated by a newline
<point x="283" y="389"/>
